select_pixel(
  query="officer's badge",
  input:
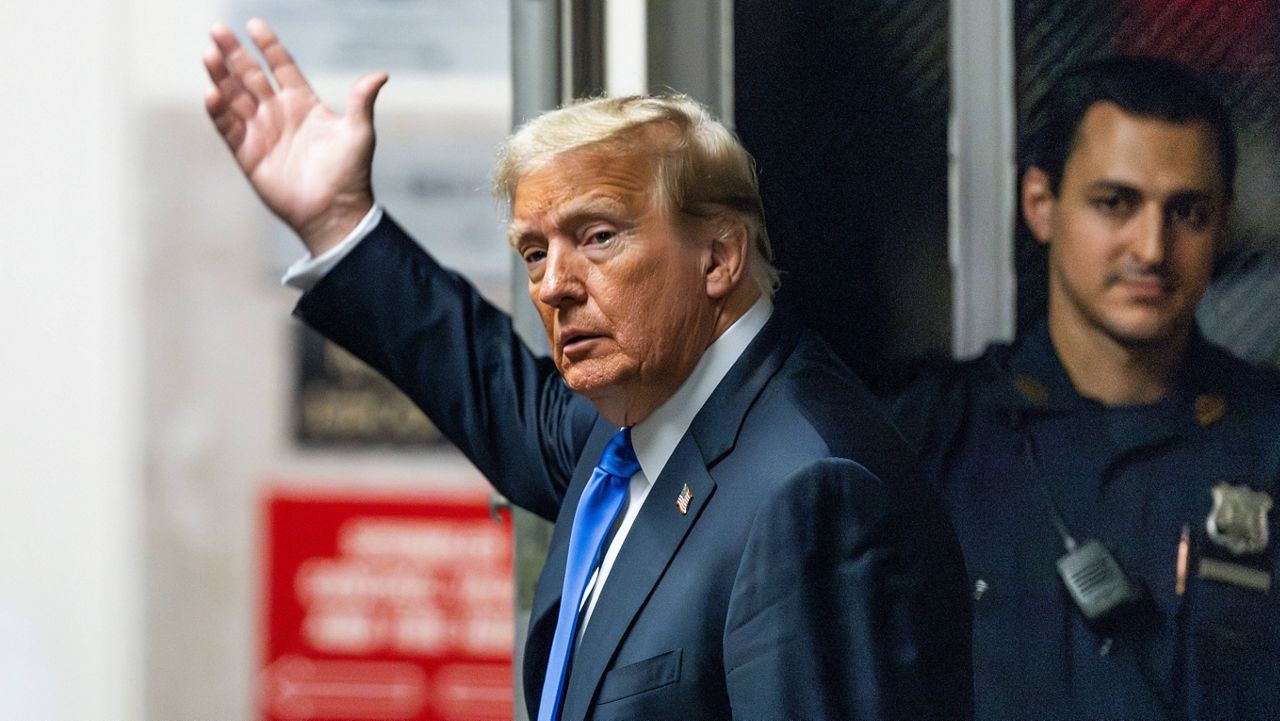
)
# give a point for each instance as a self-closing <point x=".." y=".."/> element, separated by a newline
<point x="1238" y="521"/>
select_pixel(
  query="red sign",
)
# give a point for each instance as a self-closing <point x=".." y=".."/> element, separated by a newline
<point x="386" y="608"/>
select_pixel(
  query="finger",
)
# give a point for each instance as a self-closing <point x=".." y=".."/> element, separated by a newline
<point x="278" y="58"/>
<point x="363" y="95"/>
<point x="234" y="95"/>
<point x="241" y="64"/>
<point x="223" y="39"/>
<point x="214" y="64"/>
<point x="215" y="104"/>
<point x="229" y="125"/>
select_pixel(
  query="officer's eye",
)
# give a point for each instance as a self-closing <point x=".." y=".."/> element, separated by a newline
<point x="1113" y="204"/>
<point x="1194" y="214"/>
<point x="533" y="255"/>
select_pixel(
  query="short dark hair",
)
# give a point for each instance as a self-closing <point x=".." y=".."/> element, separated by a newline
<point x="1143" y="86"/>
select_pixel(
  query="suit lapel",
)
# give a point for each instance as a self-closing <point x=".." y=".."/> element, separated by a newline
<point x="658" y="531"/>
<point x="546" y="596"/>
<point x="659" y="528"/>
<point x="716" y="426"/>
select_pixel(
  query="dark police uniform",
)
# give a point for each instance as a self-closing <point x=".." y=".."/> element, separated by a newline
<point x="1179" y="491"/>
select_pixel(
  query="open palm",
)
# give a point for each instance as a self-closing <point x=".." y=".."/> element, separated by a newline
<point x="310" y="165"/>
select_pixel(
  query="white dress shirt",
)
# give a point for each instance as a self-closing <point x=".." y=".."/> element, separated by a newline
<point x="307" y="271"/>
<point x="654" y="439"/>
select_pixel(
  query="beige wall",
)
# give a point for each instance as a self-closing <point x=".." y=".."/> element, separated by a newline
<point x="69" y="392"/>
<point x="146" y="366"/>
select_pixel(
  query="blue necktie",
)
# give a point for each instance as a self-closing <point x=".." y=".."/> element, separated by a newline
<point x="601" y="500"/>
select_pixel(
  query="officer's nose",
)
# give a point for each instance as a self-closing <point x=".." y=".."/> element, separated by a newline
<point x="562" y="282"/>
<point x="1151" y="236"/>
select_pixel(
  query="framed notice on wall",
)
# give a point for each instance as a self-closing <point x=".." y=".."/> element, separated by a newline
<point x="379" y="607"/>
<point x="341" y="402"/>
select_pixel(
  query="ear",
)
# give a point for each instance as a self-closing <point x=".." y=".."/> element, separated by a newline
<point x="1038" y="203"/>
<point x="726" y="257"/>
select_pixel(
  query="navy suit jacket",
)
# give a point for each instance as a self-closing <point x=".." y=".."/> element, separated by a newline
<point x="813" y="576"/>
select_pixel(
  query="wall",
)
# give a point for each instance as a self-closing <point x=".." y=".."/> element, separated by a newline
<point x="147" y="364"/>
<point x="69" y="392"/>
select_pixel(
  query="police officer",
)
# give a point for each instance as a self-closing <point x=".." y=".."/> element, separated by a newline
<point x="1111" y="474"/>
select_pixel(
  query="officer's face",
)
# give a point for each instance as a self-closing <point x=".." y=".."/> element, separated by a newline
<point x="1132" y="231"/>
<point x="620" y="291"/>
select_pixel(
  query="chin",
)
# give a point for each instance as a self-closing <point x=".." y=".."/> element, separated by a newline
<point x="1153" y="332"/>
<point x="589" y="378"/>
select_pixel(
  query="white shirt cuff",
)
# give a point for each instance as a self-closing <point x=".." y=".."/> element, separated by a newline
<point x="307" y="271"/>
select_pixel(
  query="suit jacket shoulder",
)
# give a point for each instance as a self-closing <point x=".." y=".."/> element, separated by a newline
<point x="458" y="358"/>
<point x="933" y="408"/>
<point x="838" y="510"/>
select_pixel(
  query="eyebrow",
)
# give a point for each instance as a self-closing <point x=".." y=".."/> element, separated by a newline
<point x="516" y="230"/>
<point x="1116" y="186"/>
<point x="1113" y="186"/>
<point x="580" y="207"/>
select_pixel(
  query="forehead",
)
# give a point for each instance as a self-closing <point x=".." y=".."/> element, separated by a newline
<point x="1114" y="145"/>
<point x="623" y="177"/>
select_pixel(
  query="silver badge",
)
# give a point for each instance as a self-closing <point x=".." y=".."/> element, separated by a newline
<point x="1238" y="521"/>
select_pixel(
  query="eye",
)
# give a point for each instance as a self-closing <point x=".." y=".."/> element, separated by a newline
<point x="599" y="236"/>
<point x="1114" y="204"/>
<point x="1194" y="214"/>
<point x="533" y="262"/>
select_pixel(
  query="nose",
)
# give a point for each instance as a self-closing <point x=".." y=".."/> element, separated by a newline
<point x="561" y="283"/>
<point x="1151" y="237"/>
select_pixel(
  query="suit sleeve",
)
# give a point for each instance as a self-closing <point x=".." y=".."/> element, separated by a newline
<point x="930" y="414"/>
<point x="848" y="604"/>
<point x="459" y="359"/>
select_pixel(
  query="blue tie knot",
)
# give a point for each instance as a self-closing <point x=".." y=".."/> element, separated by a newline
<point x="619" y="458"/>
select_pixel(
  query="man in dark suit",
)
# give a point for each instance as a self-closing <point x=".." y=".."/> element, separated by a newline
<point x="738" y="533"/>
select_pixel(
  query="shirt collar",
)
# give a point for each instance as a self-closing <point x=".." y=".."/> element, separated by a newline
<point x="656" y="437"/>
<point x="1035" y="358"/>
<point x="1035" y="361"/>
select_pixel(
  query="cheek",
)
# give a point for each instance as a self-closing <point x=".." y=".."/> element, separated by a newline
<point x="1086" y="250"/>
<point x="1077" y="276"/>
<point x="652" y="310"/>
<point x="1196" y="269"/>
<point x="629" y="306"/>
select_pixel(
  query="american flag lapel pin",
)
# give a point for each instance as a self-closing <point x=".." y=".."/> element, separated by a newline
<point x="682" y="500"/>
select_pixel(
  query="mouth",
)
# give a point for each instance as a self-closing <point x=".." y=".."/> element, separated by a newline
<point x="1145" y="287"/>
<point x="574" y="342"/>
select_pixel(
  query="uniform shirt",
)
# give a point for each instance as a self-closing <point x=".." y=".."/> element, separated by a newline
<point x="1006" y="438"/>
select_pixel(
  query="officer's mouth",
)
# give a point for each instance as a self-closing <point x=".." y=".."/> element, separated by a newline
<point x="1145" y="287"/>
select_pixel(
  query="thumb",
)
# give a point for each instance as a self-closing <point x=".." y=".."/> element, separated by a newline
<point x="363" y="95"/>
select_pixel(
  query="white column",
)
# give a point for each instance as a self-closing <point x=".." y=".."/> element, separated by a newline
<point x="70" y="470"/>
<point x="626" y="39"/>
<point x="983" y="174"/>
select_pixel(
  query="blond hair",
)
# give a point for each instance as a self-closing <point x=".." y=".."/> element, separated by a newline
<point x="701" y="168"/>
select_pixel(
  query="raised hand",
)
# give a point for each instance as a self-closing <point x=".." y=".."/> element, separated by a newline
<point x="310" y="165"/>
